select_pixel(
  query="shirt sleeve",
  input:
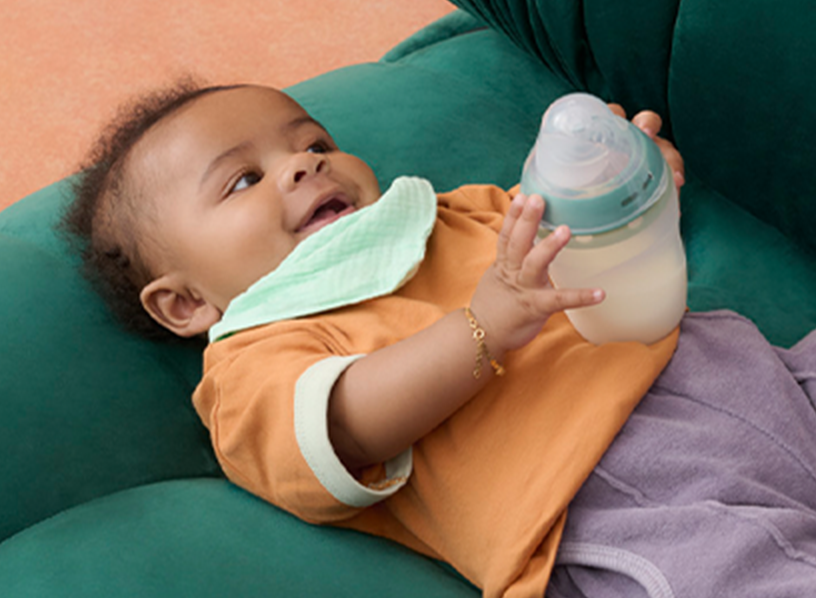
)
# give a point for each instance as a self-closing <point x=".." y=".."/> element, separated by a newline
<point x="265" y="398"/>
<point x="312" y="393"/>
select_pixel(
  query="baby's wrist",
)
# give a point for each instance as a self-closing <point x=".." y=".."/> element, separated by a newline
<point x="484" y="356"/>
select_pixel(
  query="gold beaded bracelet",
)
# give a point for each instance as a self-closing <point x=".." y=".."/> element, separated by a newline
<point x="482" y="352"/>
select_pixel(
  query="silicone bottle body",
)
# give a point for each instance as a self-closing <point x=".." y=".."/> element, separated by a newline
<point x="605" y="179"/>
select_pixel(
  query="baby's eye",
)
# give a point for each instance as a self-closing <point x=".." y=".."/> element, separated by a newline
<point x="319" y="147"/>
<point x="245" y="181"/>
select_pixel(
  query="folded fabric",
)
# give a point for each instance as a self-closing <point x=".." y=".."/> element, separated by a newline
<point x="710" y="488"/>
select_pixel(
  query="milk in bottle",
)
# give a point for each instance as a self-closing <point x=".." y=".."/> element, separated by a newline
<point x="608" y="182"/>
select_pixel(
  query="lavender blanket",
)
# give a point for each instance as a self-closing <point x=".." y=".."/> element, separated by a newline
<point x="710" y="489"/>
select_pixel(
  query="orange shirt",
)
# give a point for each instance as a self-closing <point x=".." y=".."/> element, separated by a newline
<point x="489" y="488"/>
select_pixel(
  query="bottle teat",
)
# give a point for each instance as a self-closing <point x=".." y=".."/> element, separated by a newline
<point x="596" y="170"/>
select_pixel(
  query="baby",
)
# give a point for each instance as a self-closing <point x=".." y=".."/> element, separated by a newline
<point x="394" y="363"/>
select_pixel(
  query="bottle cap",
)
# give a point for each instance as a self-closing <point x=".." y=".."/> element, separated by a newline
<point x="596" y="171"/>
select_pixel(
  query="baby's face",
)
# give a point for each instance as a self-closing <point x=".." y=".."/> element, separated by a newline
<point x="238" y="178"/>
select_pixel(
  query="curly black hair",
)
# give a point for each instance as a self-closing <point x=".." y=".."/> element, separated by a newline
<point x="108" y="211"/>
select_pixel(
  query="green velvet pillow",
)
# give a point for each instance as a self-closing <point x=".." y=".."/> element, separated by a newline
<point x="742" y="97"/>
<point x="206" y="538"/>
<point x="86" y="409"/>
<point x="619" y="51"/>
<point x="739" y="262"/>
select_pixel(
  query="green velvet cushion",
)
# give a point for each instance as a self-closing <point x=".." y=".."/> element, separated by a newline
<point x="742" y="93"/>
<point x="206" y="538"/>
<point x="86" y="409"/>
<point x="739" y="262"/>
<point x="617" y="50"/>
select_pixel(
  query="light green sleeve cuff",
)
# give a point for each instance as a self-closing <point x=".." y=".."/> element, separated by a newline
<point x="312" y="393"/>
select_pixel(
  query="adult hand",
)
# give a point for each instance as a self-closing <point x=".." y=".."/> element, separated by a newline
<point x="650" y="123"/>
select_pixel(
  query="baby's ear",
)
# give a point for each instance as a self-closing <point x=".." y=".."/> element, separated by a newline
<point x="177" y="308"/>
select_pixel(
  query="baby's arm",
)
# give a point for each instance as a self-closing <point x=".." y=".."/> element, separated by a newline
<point x="389" y="399"/>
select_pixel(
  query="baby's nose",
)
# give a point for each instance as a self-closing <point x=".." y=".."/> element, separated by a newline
<point x="303" y="166"/>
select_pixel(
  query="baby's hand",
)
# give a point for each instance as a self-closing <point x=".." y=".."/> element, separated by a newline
<point x="650" y="123"/>
<point x="515" y="297"/>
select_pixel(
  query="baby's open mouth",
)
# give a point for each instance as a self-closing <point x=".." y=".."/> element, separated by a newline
<point x="326" y="213"/>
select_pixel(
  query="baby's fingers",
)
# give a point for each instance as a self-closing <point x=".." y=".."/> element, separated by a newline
<point x="561" y="299"/>
<point x="519" y="230"/>
<point x="516" y="206"/>
<point x="535" y="273"/>
<point x="534" y="270"/>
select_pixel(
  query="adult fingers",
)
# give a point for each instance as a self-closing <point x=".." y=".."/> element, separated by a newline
<point x="617" y="110"/>
<point x="674" y="160"/>
<point x="649" y="122"/>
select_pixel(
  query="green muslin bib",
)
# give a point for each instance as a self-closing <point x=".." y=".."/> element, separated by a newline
<point x="369" y="253"/>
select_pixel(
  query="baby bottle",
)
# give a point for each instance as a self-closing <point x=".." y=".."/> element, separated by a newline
<point x="608" y="182"/>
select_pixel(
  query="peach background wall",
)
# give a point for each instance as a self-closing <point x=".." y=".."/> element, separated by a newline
<point x="66" y="64"/>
